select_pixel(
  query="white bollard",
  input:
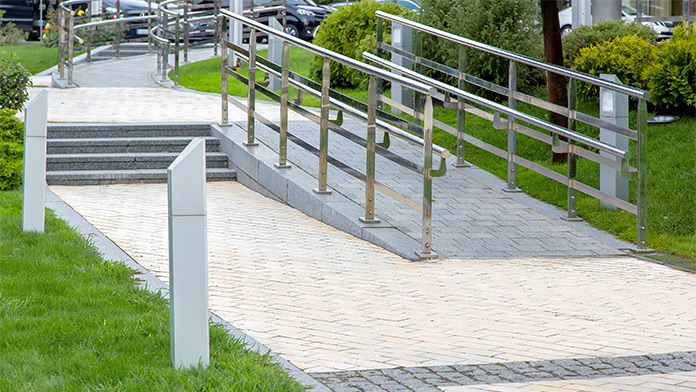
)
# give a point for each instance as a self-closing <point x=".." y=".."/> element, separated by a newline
<point x="235" y="29"/>
<point x="188" y="258"/>
<point x="34" y="173"/>
<point x="401" y="39"/>
<point x="613" y="107"/>
<point x="275" y="52"/>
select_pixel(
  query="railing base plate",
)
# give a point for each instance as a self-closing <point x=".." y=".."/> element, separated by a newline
<point x="513" y="190"/>
<point x="322" y="192"/>
<point x="567" y="219"/>
<point x="426" y="256"/>
<point x="284" y="166"/>
<point x="369" y="220"/>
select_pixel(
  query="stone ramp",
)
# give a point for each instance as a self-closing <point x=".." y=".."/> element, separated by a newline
<point x="472" y="216"/>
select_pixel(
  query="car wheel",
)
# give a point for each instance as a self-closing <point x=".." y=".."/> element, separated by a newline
<point x="566" y="29"/>
<point x="291" y="29"/>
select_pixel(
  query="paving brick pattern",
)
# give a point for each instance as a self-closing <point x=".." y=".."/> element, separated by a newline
<point x="515" y="375"/>
<point x="331" y="303"/>
<point x="470" y="219"/>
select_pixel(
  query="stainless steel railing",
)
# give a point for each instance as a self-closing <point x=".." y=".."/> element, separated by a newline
<point x="465" y="102"/>
<point x="369" y="112"/>
<point x="67" y="32"/>
<point x="175" y="18"/>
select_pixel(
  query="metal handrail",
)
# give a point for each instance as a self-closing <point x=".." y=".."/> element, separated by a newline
<point x="577" y="145"/>
<point x="590" y="142"/>
<point x="329" y="98"/>
<point x="583" y="77"/>
<point x="337" y="57"/>
<point x="114" y="21"/>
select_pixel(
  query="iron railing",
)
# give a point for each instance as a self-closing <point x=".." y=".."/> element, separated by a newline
<point x="369" y="112"/>
<point x="577" y="145"/>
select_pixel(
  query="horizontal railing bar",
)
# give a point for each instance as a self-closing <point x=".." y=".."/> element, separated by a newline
<point x="502" y="109"/>
<point x="631" y="91"/>
<point x="345" y="60"/>
<point x="615" y="201"/>
<point x="385" y="126"/>
<point x="114" y="21"/>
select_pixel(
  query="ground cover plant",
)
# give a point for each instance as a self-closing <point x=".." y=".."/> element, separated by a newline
<point x="672" y="168"/>
<point x="72" y="321"/>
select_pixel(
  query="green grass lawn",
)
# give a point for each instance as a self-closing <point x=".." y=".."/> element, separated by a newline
<point x="74" y="322"/>
<point x="33" y="56"/>
<point x="671" y="173"/>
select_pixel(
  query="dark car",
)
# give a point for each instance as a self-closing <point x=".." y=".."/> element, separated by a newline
<point x="25" y="14"/>
<point x="303" y="16"/>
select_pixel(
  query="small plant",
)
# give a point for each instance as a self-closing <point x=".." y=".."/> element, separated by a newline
<point x="350" y="31"/>
<point x="607" y="30"/>
<point x="10" y="34"/>
<point x="14" y="81"/>
<point x="11" y="149"/>
<point x="49" y="35"/>
<point x="626" y="57"/>
<point x="672" y="76"/>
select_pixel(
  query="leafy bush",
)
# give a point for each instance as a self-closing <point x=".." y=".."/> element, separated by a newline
<point x="14" y="81"/>
<point x="351" y="31"/>
<point x="11" y="149"/>
<point x="626" y="57"/>
<point x="49" y="35"/>
<point x="672" y="76"/>
<point x="10" y="34"/>
<point x="607" y="30"/>
<point x="508" y="24"/>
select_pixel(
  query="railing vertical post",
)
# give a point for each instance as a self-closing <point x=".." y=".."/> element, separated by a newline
<point x="223" y="60"/>
<point x="324" y="128"/>
<point x="61" y="42"/>
<point x="216" y="33"/>
<point x="378" y="52"/>
<point x="177" y="39"/>
<point x="461" y="112"/>
<point x="71" y="46"/>
<point x="149" y="26"/>
<point x="418" y="67"/>
<point x="117" y="44"/>
<point x="642" y="186"/>
<point x="251" y="101"/>
<point x="284" y="91"/>
<point x="89" y="37"/>
<point x="186" y="32"/>
<point x="165" y="49"/>
<point x="372" y="99"/>
<point x="511" y="185"/>
<point x="572" y="157"/>
<point x="426" y="251"/>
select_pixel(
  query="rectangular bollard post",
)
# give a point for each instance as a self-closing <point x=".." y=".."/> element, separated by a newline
<point x="34" y="167"/>
<point x="188" y="258"/>
<point x="401" y="39"/>
<point x="275" y="53"/>
<point x="613" y="107"/>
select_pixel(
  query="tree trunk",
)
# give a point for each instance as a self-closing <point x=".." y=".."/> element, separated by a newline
<point x="553" y="52"/>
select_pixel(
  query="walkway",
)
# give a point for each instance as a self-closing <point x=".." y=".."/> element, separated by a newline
<point x="358" y="318"/>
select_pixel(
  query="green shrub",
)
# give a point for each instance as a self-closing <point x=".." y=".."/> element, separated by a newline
<point x="607" y="30"/>
<point x="10" y="34"/>
<point x="350" y="31"/>
<point x="11" y="149"/>
<point x="626" y="57"/>
<point x="672" y="76"/>
<point x="49" y="35"/>
<point x="508" y="24"/>
<point x="14" y="81"/>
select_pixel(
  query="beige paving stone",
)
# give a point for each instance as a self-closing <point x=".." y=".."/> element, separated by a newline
<point x="328" y="301"/>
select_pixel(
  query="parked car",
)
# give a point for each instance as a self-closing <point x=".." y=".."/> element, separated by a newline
<point x="25" y="15"/>
<point x="664" y="30"/>
<point x="131" y="8"/>
<point x="303" y="16"/>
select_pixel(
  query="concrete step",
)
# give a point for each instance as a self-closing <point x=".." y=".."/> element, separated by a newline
<point x="130" y="130"/>
<point x="126" y="145"/>
<point x="128" y="161"/>
<point x="99" y="177"/>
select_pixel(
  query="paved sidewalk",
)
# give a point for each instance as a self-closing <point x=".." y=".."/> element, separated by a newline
<point x="356" y="316"/>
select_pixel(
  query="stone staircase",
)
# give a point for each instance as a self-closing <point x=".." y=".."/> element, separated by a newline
<point x="91" y="154"/>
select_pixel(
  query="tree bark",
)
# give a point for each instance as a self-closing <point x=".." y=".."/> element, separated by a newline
<point x="553" y="53"/>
